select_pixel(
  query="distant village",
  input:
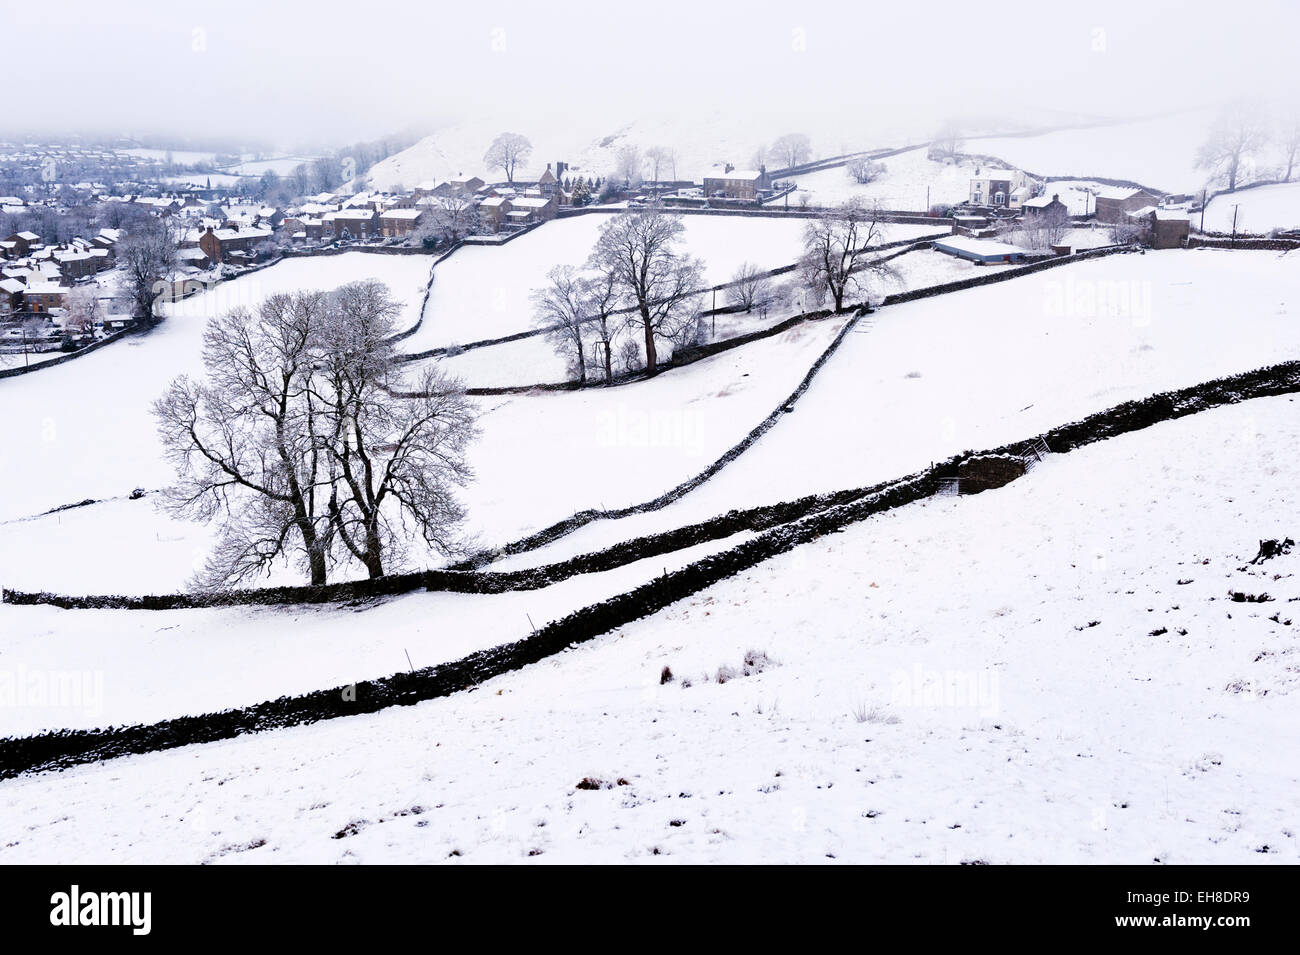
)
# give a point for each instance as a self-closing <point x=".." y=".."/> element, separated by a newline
<point x="217" y="234"/>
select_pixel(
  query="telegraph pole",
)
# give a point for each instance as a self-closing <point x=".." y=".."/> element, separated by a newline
<point x="1235" y="207"/>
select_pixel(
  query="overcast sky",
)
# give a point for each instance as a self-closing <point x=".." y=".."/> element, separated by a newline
<point x="337" y="72"/>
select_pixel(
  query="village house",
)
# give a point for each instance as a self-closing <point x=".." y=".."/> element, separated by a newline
<point x="1165" y="229"/>
<point x="526" y="210"/>
<point x="107" y="240"/>
<point x="394" y="223"/>
<point x="356" y="223"/>
<point x="459" y="186"/>
<point x="549" y="184"/>
<point x="248" y="217"/>
<point x="22" y="243"/>
<point x="1113" y="204"/>
<point x="40" y="297"/>
<point x="999" y="188"/>
<point x="218" y="244"/>
<point x="494" y="210"/>
<point x="11" y="298"/>
<point x="79" y="263"/>
<point x="316" y="209"/>
<point x="736" y="184"/>
<point x="195" y="257"/>
<point x="1044" y="205"/>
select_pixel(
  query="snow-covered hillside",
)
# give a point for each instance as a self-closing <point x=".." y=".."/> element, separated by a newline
<point x="590" y="143"/>
<point x="975" y="369"/>
<point x="538" y="459"/>
<point x="1159" y="153"/>
<point x="1050" y="672"/>
<point x="1259" y="210"/>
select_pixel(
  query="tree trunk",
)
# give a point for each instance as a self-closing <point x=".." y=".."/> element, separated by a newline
<point x="609" y="365"/>
<point x="374" y="560"/>
<point x="651" y="358"/>
<point x="582" y="362"/>
<point x="315" y="554"/>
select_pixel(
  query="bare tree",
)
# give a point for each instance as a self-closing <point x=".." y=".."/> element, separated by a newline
<point x="863" y="170"/>
<point x="507" y="152"/>
<point x="791" y="150"/>
<point x="627" y="165"/>
<point x="599" y="294"/>
<point x="1132" y="232"/>
<point x="750" y="286"/>
<point x="453" y="216"/>
<point x="658" y="158"/>
<point x="639" y="248"/>
<point x="1234" y="138"/>
<point x="558" y="307"/>
<point x="295" y="444"/>
<point x="1289" y="140"/>
<point x="947" y="143"/>
<point x="1040" y="230"/>
<point x="145" y="256"/>
<point x="839" y="254"/>
<point x="81" y="311"/>
<point x="394" y="462"/>
<point x="244" y="441"/>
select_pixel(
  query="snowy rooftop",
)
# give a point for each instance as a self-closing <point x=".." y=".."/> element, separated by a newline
<point x="978" y="246"/>
<point x="739" y="175"/>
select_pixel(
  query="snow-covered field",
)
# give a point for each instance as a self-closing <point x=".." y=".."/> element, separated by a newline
<point x="915" y="392"/>
<point x="1050" y="672"/>
<point x="483" y="292"/>
<point x="538" y="459"/>
<point x="83" y="429"/>
<point x="219" y="658"/>
<point x="1258" y="210"/>
<point x="182" y="156"/>
<point x="281" y="166"/>
<point x="909" y="178"/>
<point x="975" y="369"/>
<point x="1159" y="153"/>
